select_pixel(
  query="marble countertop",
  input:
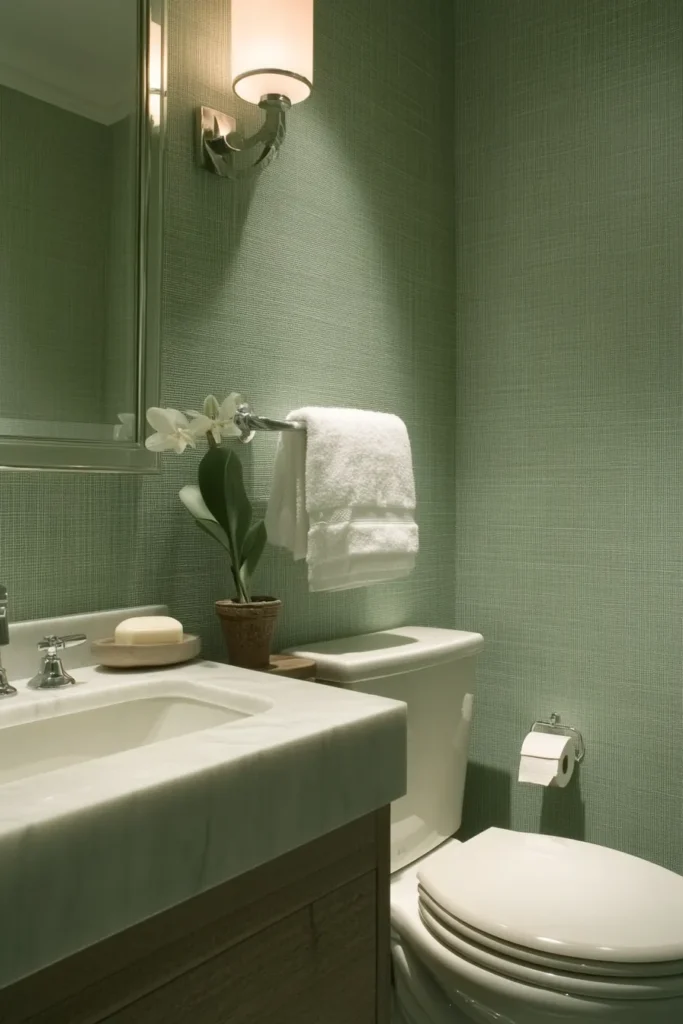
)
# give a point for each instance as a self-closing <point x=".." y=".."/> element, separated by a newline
<point x="91" y="849"/>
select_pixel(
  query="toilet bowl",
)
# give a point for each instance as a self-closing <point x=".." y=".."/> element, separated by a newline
<point x="545" y="956"/>
<point x="507" y="927"/>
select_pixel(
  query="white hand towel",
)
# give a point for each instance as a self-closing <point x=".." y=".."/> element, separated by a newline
<point x="343" y="497"/>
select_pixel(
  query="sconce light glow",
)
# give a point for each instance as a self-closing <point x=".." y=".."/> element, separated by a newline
<point x="272" y="48"/>
<point x="154" y="73"/>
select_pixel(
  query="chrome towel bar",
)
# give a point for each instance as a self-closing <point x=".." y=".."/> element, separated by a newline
<point x="248" y="422"/>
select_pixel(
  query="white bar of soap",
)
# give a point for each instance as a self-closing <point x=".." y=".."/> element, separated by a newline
<point x="149" y="629"/>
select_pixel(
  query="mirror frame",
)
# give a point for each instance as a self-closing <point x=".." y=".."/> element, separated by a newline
<point x="125" y="456"/>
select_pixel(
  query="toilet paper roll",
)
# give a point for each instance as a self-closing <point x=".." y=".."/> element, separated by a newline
<point x="547" y="759"/>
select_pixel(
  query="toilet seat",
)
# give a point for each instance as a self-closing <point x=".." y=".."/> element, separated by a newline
<point x="598" y="968"/>
<point x="558" y="904"/>
<point x="555" y="979"/>
<point x="464" y="990"/>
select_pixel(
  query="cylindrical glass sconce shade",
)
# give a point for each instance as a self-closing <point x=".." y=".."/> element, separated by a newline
<point x="272" y="48"/>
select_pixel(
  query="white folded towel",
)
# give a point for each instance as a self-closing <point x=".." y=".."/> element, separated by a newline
<point x="343" y="497"/>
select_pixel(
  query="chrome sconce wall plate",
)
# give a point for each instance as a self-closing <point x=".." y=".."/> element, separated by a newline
<point x="272" y="66"/>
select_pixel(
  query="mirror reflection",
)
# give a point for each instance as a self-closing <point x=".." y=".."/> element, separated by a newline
<point x="69" y="212"/>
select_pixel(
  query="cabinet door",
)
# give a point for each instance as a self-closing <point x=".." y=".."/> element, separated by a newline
<point x="317" y="966"/>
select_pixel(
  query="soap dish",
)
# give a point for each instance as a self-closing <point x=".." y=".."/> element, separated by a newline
<point x="113" y="655"/>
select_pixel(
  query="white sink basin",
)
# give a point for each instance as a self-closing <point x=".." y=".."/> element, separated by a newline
<point x="32" y="748"/>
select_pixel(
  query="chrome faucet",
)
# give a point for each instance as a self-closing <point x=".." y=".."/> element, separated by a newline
<point x="52" y="673"/>
<point x="6" y="688"/>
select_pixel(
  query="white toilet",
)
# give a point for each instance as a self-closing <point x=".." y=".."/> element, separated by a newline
<point x="507" y="927"/>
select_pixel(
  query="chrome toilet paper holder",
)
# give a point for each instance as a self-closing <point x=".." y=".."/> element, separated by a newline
<point x="554" y="725"/>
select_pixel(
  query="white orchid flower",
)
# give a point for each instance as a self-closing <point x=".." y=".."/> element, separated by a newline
<point x="218" y="420"/>
<point x="173" y="431"/>
<point x="124" y="430"/>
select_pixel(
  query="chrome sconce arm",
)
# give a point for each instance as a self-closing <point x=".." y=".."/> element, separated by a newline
<point x="220" y="142"/>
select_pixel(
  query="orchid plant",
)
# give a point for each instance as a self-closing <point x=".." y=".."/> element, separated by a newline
<point x="218" y="501"/>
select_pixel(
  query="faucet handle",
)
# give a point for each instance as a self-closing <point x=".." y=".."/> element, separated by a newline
<point x="52" y="673"/>
<point x="6" y="688"/>
<point x="4" y="620"/>
<point x="52" y="644"/>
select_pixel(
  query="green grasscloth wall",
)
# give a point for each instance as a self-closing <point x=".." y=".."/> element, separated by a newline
<point x="328" y="280"/>
<point x="569" y="435"/>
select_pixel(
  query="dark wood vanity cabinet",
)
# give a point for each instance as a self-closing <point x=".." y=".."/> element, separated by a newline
<point x="301" y="940"/>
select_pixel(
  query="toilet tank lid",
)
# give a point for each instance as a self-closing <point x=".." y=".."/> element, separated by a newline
<point x="354" y="659"/>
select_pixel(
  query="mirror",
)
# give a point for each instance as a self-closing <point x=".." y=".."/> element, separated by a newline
<point x="81" y="141"/>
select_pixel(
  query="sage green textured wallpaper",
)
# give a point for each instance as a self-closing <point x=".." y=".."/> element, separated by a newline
<point x="329" y="280"/>
<point x="569" y="394"/>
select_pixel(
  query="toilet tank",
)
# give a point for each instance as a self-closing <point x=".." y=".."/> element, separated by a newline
<point x="432" y="671"/>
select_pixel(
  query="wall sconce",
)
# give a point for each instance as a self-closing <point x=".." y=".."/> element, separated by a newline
<point x="272" y="66"/>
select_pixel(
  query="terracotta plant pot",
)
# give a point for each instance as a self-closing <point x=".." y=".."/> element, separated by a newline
<point x="248" y="630"/>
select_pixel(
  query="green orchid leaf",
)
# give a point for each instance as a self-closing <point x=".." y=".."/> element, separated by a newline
<point x="191" y="498"/>
<point x="216" y="531"/>
<point x="222" y="488"/>
<point x="252" y="549"/>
